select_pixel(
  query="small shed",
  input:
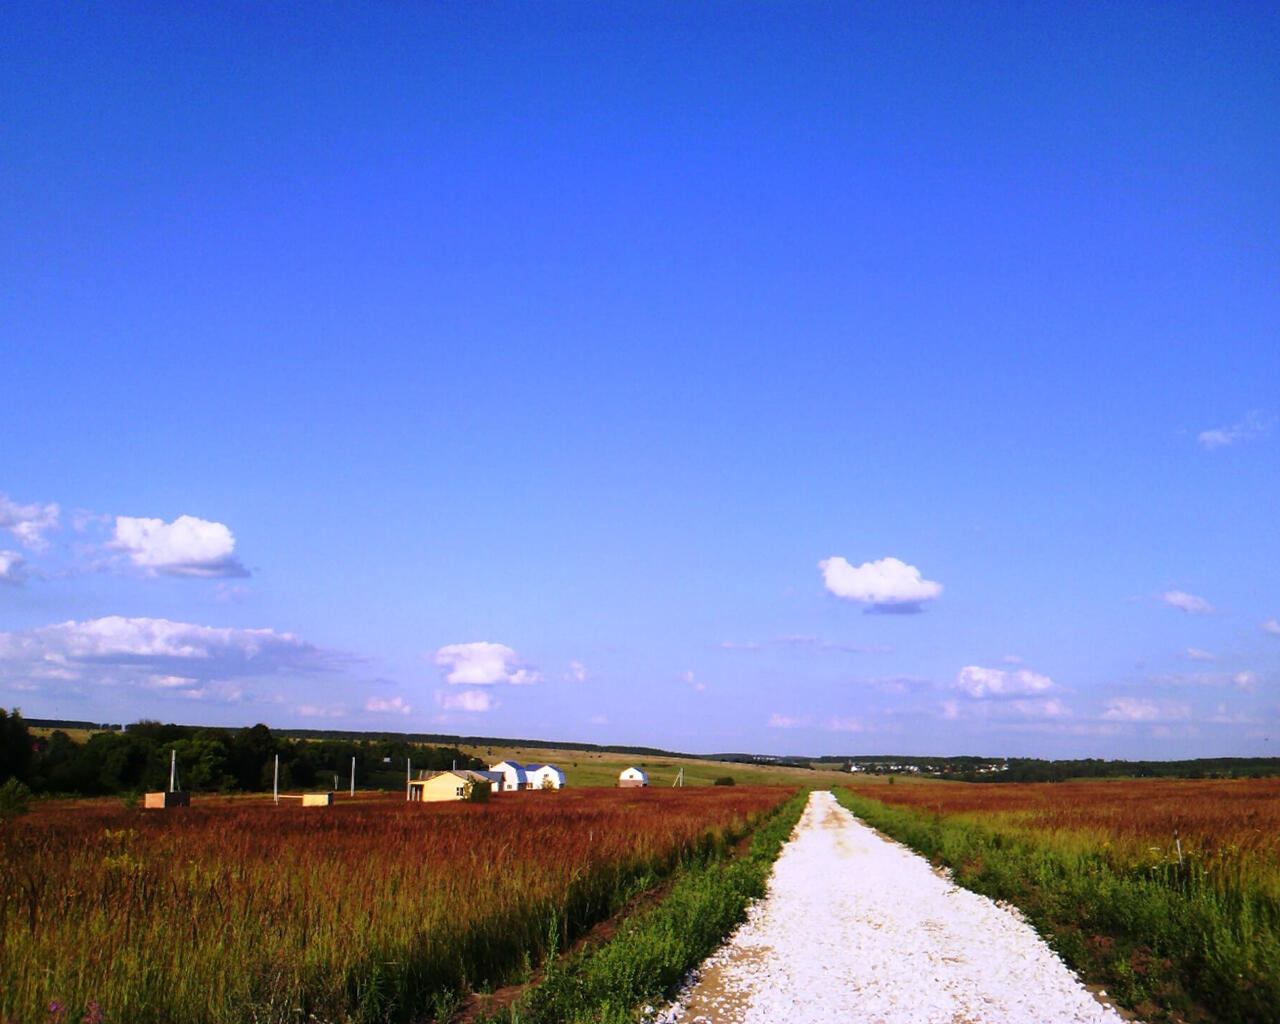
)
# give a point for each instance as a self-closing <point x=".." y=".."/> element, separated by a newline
<point x="544" y="776"/>
<point x="514" y="776"/>
<point x="450" y="785"/>
<point x="166" y="799"/>
<point x="633" y="777"/>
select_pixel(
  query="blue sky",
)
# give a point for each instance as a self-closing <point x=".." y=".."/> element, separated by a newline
<point x="516" y="366"/>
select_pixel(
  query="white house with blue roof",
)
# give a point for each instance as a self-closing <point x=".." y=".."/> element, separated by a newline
<point x="544" y="776"/>
<point x="514" y="776"/>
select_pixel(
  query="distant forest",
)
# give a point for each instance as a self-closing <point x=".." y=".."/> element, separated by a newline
<point x="209" y="759"/>
<point x="1030" y="769"/>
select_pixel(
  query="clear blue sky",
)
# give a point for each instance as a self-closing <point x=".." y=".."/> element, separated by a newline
<point x="518" y="364"/>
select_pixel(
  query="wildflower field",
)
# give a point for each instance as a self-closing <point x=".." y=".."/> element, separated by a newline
<point x="372" y="910"/>
<point x="1165" y="891"/>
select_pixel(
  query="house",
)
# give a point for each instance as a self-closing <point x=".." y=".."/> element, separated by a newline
<point x="544" y="776"/>
<point x="632" y="778"/>
<point x="514" y="776"/>
<point x="450" y="785"/>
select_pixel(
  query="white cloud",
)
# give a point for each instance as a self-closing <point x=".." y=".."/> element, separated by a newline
<point x="13" y="567"/>
<point x="395" y="705"/>
<point x="744" y="645"/>
<point x="321" y="710"/>
<point x="777" y="721"/>
<point x="1050" y="708"/>
<point x="886" y="585"/>
<point x="692" y="680"/>
<point x="186" y="547"/>
<point x="599" y="720"/>
<point x="978" y="682"/>
<point x="1011" y="659"/>
<point x="29" y="523"/>
<point x="1189" y="603"/>
<point x="846" y="724"/>
<point x="1224" y="717"/>
<point x="1271" y="626"/>
<point x="467" y="700"/>
<point x="1195" y="654"/>
<point x="1137" y="709"/>
<point x="484" y="664"/>
<point x="577" y="672"/>
<point x="1252" y="426"/>
<point x="155" y="654"/>
<point x="1246" y="680"/>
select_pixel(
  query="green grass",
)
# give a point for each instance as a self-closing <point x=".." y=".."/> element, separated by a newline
<point x="1168" y="941"/>
<point x="601" y="768"/>
<point x="654" y="950"/>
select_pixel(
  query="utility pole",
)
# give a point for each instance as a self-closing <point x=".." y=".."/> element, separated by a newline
<point x="408" y="777"/>
<point x="275" y="786"/>
<point x="173" y="770"/>
<point x="353" y="774"/>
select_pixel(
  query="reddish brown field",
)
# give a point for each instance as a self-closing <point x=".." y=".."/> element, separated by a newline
<point x="1212" y="817"/>
<point x="236" y="909"/>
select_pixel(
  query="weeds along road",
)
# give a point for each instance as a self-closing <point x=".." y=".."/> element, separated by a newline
<point x="856" y="928"/>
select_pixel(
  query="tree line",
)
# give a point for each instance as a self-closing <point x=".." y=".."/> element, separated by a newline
<point x="208" y="759"/>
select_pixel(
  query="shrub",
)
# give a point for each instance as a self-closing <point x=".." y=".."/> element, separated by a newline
<point x="724" y="780"/>
<point x="15" y="798"/>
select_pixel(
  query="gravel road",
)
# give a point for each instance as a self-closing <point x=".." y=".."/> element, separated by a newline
<point x="856" y="928"/>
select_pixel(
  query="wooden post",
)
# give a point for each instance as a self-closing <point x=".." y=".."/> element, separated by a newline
<point x="275" y="786"/>
<point x="353" y="774"/>
<point x="408" y="778"/>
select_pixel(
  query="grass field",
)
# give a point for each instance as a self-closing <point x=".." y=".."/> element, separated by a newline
<point x="372" y="910"/>
<point x="593" y="768"/>
<point x="1165" y="891"/>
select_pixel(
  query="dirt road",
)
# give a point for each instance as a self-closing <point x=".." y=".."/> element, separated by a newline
<point x="856" y="928"/>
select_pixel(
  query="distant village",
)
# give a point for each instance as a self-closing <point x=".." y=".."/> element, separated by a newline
<point x="503" y="777"/>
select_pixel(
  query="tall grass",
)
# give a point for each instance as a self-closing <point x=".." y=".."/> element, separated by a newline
<point x="654" y="950"/>
<point x="373" y="910"/>
<point x="1166" y="892"/>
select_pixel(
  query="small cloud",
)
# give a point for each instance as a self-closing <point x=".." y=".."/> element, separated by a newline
<point x="1245" y="680"/>
<point x="888" y="585"/>
<point x="172" y="682"/>
<point x="1271" y="626"/>
<point x="1195" y="654"/>
<point x="689" y="678"/>
<point x="28" y="523"/>
<point x="321" y="710"/>
<point x="483" y="664"/>
<point x="395" y="705"/>
<point x="777" y="721"/>
<point x="467" y="700"/>
<point x="1224" y="717"/>
<point x="1189" y="603"/>
<point x="13" y="568"/>
<point x="979" y="682"/>
<point x="599" y="720"/>
<point x="1011" y="659"/>
<point x="1251" y="427"/>
<point x="577" y="672"/>
<point x="742" y="645"/>
<point x="188" y="547"/>
<point x="1137" y="709"/>
<point x="836" y="724"/>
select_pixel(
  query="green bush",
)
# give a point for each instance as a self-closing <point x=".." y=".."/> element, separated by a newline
<point x="724" y="780"/>
<point x="15" y="799"/>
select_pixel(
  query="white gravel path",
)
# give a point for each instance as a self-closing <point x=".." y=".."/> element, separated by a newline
<point x="856" y="928"/>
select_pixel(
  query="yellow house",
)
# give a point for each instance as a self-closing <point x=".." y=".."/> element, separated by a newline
<point x="450" y="785"/>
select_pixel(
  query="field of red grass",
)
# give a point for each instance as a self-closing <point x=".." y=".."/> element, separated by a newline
<point x="1167" y="891"/>
<point x="236" y="909"/>
<point x="1235" y="820"/>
